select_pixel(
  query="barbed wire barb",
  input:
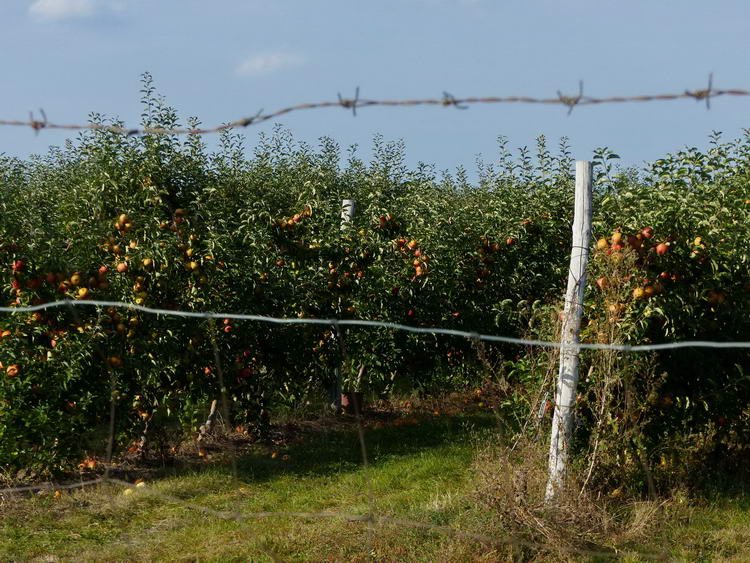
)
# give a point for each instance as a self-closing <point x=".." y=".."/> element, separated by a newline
<point x="450" y="100"/>
<point x="35" y="124"/>
<point x="347" y="103"/>
<point x="250" y="120"/>
<point x="571" y="101"/>
<point x="704" y="94"/>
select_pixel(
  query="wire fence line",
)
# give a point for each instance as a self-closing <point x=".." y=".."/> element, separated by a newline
<point x="447" y="100"/>
<point x="380" y="324"/>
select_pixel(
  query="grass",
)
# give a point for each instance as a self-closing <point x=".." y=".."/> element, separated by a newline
<point x="423" y="472"/>
<point x="718" y="531"/>
<point x="416" y="472"/>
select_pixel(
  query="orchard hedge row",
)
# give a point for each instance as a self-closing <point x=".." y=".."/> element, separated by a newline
<point x="161" y="221"/>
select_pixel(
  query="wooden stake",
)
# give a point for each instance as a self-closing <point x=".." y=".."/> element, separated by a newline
<point x="347" y="212"/>
<point x="206" y="427"/>
<point x="565" y="393"/>
<point x="348" y="207"/>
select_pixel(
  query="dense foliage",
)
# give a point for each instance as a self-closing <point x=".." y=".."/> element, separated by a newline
<point x="159" y="221"/>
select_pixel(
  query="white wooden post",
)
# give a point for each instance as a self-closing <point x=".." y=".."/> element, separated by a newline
<point x="567" y="381"/>
<point x="347" y="212"/>
<point x="348" y="207"/>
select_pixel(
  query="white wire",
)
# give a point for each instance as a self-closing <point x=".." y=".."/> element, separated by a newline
<point x="366" y="323"/>
<point x="51" y="487"/>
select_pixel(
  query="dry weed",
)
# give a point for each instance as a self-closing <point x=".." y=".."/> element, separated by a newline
<point x="511" y="483"/>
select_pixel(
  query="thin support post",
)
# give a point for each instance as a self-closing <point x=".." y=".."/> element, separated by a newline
<point x="348" y="207"/>
<point x="567" y="381"/>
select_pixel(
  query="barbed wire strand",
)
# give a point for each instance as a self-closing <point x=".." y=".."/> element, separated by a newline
<point x="448" y="100"/>
<point x="382" y="324"/>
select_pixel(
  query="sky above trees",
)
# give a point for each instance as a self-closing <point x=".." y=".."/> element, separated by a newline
<point x="224" y="60"/>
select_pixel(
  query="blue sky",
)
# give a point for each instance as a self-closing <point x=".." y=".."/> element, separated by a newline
<point x="226" y="59"/>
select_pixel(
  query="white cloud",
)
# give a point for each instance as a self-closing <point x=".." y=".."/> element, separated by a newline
<point x="69" y="9"/>
<point x="62" y="9"/>
<point x="265" y="63"/>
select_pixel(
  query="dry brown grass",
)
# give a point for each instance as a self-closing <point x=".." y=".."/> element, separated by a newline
<point x="511" y="483"/>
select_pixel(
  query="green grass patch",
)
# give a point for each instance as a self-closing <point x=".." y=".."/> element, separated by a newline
<point x="416" y="471"/>
<point x="422" y="472"/>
